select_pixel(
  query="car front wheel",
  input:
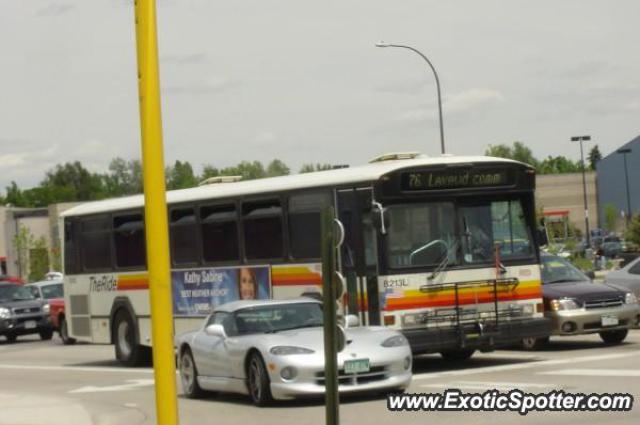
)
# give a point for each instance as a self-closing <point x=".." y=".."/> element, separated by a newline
<point x="258" y="381"/>
<point x="64" y="332"/>
<point x="46" y="334"/>
<point x="532" y="344"/>
<point x="189" y="375"/>
<point x="614" y="337"/>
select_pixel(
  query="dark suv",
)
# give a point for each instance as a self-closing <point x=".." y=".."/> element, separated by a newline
<point x="21" y="313"/>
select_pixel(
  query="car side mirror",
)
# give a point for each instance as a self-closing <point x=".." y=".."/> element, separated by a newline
<point x="591" y="274"/>
<point x="352" y="321"/>
<point x="215" y="330"/>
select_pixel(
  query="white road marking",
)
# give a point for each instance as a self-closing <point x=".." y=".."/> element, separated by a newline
<point x="131" y="405"/>
<point x="131" y="385"/>
<point x="485" y="385"/>
<point x="74" y="368"/>
<point x="528" y="365"/>
<point x="595" y="372"/>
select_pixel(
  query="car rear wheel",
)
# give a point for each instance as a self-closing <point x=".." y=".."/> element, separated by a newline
<point x="64" y="333"/>
<point x="189" y="375"/>
<point x="532" y="344"/>
<point x="128" y="351"/>
<point x="614" y="337"/>
<point x="258" y="381"/>
<point x="457" y="355"/>
<point x="46" y="334"/>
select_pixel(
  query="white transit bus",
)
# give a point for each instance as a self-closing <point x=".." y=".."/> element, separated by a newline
<point x="441" y="248"/>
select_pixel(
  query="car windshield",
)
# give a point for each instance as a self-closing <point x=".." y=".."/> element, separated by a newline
<point x="277" y="318"/>
<point x="443" y="234"/>
<point x="15" y="293"/>
<point x="557" y="270"/>
<point x="52" y="291"/>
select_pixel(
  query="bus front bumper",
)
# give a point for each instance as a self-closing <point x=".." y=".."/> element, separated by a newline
<point x="478" y="336"/>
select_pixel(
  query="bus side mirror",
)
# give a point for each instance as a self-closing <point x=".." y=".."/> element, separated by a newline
<point x="380" y="218"/>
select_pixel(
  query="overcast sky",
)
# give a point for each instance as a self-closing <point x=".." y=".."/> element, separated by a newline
<point x="302" y="81"/>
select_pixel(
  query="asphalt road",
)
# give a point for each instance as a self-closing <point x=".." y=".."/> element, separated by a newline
<point x="44" y="382"/>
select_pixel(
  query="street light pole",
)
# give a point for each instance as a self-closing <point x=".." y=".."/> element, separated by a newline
<point x="584" y="185"/>
<point x="383" y="44"/>
<point x="624" y="152"/>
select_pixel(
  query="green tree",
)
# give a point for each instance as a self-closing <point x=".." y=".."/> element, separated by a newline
<point x="610" y="217"/>
<point x="70" y="182"/>
<point x="22" y="242"/>
<point x="633" y="231"/>
<point x="310" y="168"/>
<point x="277" y="168"/>
<point x="558" y="165"/>
<point x="519" y="152"/>
<point x="249" y="170"/>
<point x="124" y="177"/>
<point x="38" y="260"/>
<point x="180" y="176"/>
<point x="594" y="157"/>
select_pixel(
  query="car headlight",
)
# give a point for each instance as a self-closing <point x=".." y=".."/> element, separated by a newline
<point x="564" y="304"/>
<point x="630" y="298"/>
<point x="46" y="308"/>
<point x="395" y="341"/>
<point x="287" y="350"/>
<point x="5" y="313"/>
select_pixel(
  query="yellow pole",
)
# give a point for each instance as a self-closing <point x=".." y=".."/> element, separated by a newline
<point x="156" y="228"/>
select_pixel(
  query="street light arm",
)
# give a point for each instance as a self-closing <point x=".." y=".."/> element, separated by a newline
<point x="435" y="74"/>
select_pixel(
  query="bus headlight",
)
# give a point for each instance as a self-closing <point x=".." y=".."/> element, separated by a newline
<point x="527" y="309"/>
<point x="564" y="304"/>
<point x="630" y="298"/>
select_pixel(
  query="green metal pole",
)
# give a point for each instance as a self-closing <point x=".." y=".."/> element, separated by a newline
<point x="330" y="326"/>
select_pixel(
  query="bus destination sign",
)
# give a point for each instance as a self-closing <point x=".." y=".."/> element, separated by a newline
<point x="456" y="179"/>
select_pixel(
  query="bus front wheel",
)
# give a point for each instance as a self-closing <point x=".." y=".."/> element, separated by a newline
<point x="128" y="351"/>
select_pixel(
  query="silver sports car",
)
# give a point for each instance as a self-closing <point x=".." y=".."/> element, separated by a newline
<point x="274" y="350"/>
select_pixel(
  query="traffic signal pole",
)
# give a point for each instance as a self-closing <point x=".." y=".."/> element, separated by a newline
<point x="155" y="216"/>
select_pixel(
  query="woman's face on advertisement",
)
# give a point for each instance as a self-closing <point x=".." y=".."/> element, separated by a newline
<point x="247" y="285"/>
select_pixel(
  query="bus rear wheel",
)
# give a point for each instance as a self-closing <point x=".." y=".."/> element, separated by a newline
<point x="125" y="336"/>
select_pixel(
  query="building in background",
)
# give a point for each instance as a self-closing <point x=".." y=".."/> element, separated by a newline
<point x="612" y="186"/>
<point x="40" y="239"/>
<point x="561" y="197"/>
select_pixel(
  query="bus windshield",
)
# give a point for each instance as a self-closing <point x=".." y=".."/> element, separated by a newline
<point x="444" y="233"/>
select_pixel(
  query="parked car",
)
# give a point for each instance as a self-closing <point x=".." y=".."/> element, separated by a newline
<point x="51" y="291"/>
<point x="577" y="306"/>
<point x="21" y="313"/>
<point x="612" y="249"/>
<point x="627" y="277"/>
<point x="274" y="350"/>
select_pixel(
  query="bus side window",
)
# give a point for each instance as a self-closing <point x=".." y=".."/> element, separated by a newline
<point x="184" y="236"/>
<point x="219" y="233"/>
<point x="129" y="241"/>
<point x="262" y="222"/>
<point x="304" y="224"/>
<point x="95" y="243"/>
<point x="70" y="258"/>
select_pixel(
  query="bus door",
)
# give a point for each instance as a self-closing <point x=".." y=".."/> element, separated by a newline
<point x="358" y="254"/>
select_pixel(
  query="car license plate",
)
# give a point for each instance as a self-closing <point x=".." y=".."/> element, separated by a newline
<point x="356" y="366"/>
<point x="30" y="324"/>
<point x="610" y="321"/>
